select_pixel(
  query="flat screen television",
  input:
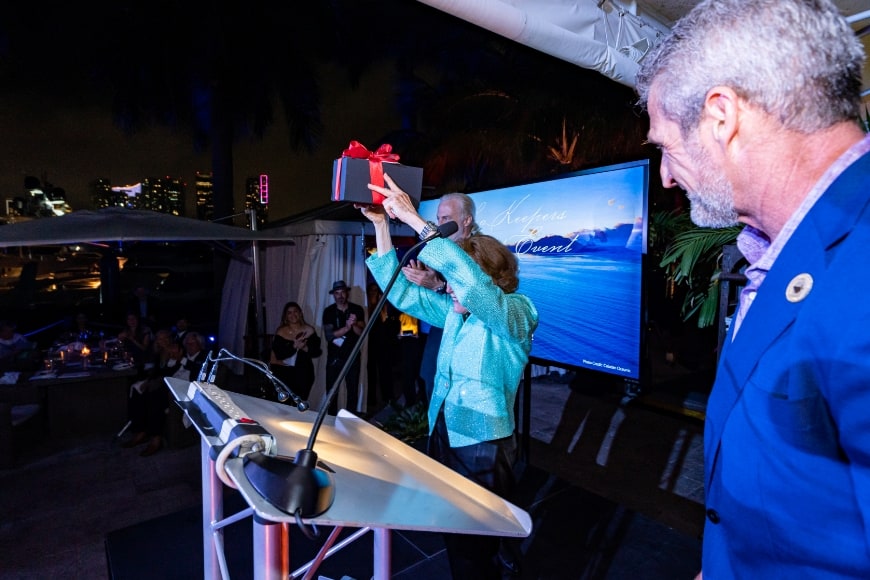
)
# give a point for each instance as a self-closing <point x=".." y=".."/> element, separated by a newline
<point x="580" y="239"/>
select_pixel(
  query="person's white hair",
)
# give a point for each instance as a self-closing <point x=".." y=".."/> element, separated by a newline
<point x="798" y="60"/>
<point x="466" y="206"/>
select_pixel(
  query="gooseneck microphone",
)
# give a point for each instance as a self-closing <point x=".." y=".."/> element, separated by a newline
<point x="307" y="490"/>
<point x="282" y="391"/>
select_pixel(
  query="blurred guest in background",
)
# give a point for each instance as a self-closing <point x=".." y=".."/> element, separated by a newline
<point x="81" y="331"/>
<point x="193" y="358"/>
<point x="342" y="323"/>
<point x="144" y="305"/>
<point x="15" y="349"/>
<point x="383" y="345"/>
<point x="136" y="340"/>
<point x="294" y="347"/>
<point x="182" y="327"/>
<point x="149" y="396"/>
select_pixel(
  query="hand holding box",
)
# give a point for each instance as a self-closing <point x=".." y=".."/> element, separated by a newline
<point x="357" y="167"/>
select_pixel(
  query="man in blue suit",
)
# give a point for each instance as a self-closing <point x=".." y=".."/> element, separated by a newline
<point x="754" y="105"/>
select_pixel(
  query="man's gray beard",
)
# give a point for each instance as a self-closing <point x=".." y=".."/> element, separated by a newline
<point x="712" y="209"/>
<point x="712" y="205"/>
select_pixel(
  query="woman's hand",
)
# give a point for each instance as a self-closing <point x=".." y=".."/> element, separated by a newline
<point x="418" y="273"/>
<point x="398" y="205"/>
<point x="375" y="213"/>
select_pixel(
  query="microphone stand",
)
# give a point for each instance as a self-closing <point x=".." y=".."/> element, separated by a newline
<point x="308" y="490"/>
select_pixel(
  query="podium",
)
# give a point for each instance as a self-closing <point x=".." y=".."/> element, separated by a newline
<point x="381" y="484"/>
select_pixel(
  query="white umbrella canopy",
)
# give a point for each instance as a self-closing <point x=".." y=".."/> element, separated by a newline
<point x="120" y="224"/>
<point x="608" y="36"/>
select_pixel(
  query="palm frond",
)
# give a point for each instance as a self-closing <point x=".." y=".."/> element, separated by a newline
<point x="692" y="259"/>
<point x="696" y="246"/>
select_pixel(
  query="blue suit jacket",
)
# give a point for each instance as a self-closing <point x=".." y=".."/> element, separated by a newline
<point x="787" y="435"/>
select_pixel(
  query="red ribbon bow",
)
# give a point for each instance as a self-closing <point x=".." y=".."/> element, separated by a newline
<point x="384" y="153"/>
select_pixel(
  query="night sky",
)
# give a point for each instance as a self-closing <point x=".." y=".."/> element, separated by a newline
<point x="57" y="121"/>
<point x="70" y="139"/>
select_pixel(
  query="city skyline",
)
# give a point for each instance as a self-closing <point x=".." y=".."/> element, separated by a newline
<point x="70" y="144"/>
<point x="59" y="122"/>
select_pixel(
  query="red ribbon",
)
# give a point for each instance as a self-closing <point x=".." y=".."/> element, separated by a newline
<point x="384" y="153"/>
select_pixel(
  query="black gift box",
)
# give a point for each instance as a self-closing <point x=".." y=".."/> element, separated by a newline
<point x="351" y="177"/>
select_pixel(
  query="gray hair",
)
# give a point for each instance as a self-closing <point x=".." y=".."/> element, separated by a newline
<point x="797" y="60"/>
<point x="467" y="206"/>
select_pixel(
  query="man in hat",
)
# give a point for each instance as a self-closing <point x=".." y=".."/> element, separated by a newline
<point x="343" y="322"/>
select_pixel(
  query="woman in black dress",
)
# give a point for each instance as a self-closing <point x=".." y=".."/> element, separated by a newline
<point x="294" y="346"/>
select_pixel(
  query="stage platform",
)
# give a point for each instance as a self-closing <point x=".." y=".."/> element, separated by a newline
<point x="615" y="492"/>
<point x="577" y="535"/>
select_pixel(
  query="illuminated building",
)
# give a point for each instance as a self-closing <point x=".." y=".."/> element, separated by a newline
<point x="204" y="191"/>
<point x="257" y="197"/>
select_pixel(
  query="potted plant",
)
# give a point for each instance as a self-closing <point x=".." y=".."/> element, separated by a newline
<point x="410" y="424"/>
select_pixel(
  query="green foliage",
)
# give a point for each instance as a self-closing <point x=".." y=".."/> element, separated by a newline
<point x="664" y="226"/>
<point x="864" y="120"/>
<point x="696" y="247"/>
<point x="692" y="258"/>
<point x="409" y="424"/>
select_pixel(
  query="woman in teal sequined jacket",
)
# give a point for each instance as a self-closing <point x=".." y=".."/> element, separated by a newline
<point x="482" y="355"/>
<point x="484" y="349"/>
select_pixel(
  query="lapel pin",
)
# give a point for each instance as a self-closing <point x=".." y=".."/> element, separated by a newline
<point x="799" y="288"/>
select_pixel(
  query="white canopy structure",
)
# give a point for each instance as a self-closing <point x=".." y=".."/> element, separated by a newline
<point x="609" y="36"/>
<point x="114" y="224"/>
<point x="323" y="252"/>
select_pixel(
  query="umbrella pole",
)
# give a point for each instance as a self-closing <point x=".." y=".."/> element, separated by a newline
<point x="260" y="318"/>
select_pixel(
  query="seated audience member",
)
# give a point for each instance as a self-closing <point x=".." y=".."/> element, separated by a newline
<point x="149" y="396"/>
<point x="80" y="331"/>
<point x="181" y="363"/>
<point x="182" y="327"/>
<point x="14" y="347"/>
<point x="194" y="356"/>
<point x="136" y="340"/>
<point x="294" y="347"/>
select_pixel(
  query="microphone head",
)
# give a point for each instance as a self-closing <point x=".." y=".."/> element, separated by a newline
<point x="447" y="229"/>
<point x="303" y="406"/>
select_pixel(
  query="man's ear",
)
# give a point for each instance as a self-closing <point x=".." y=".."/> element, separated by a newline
<point x="722" y="111"/>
